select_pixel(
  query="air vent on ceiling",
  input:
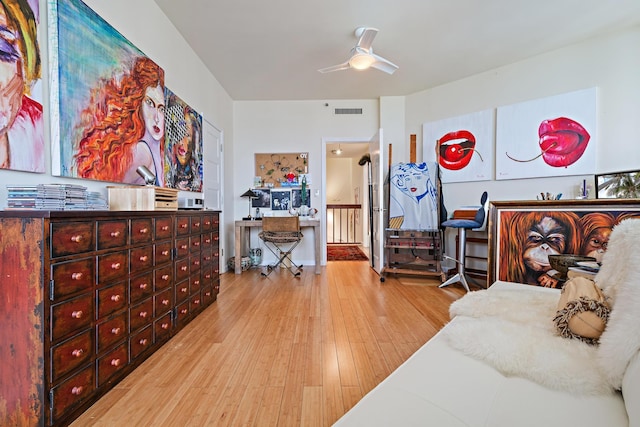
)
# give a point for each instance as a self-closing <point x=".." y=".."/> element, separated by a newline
<point x="348" y="111"/>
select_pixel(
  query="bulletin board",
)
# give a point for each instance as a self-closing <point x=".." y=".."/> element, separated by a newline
<point x="281" y="169"/>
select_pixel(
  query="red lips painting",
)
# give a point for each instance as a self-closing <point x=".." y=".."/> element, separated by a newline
<point x="562" y="141"/>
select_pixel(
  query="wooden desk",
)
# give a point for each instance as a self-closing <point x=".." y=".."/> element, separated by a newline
<point x="242" y="239"/>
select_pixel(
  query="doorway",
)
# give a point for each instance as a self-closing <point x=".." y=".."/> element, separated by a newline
<point x="345" y="198"/>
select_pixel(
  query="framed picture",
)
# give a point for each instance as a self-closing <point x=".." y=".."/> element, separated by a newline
<point x="618" y="185"/>
<point x="523" y="233"/>
<point x="280" y="200"/>
<point x="263" y="200"/>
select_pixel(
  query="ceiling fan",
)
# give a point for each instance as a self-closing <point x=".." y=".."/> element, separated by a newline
<point x="362" y="56"/>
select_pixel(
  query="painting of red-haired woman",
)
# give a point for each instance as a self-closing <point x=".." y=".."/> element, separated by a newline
<point x="527" y="240"/>
<point x="127" y="127"/>
<point x="107" y="100"/>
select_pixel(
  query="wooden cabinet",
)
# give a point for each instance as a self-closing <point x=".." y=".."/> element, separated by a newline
<point x="85" y="301"/>
<point x="415" y="252"/>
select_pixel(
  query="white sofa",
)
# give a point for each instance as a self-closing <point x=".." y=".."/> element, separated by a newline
<point x="441" y="386"/>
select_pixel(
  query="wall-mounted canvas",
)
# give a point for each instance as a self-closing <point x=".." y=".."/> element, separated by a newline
<point x="183" y="145"/>
<point x="263" y="200"/>
<point x="462" y="145"/>
<point x="553" y="136"/>
<point x="522" y="234"/>
<point x="22" y="145"/>
<point x="107" y="100"/>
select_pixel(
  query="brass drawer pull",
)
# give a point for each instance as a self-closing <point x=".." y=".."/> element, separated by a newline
<point x="77" y="314"/>
<point x="116" y="298"/>
<point x="143" y="341"/>
<point x="165" y="277"/>
<point x="165" y="302"/>
<point x="77" y="238"/>
<point x="77" y="390"/>
<point x="143" y="258"/>
<point x="76" y="276"/>
<point x="183" y="290"/>
<point x="77" y="352"/>
<point x="143" y="314"/>
<point x="183" y="311"/>
<point x="165" y="228"/>
<point x="116" y="266"/>
<point x="165" y="253"/>
<point x="115" y="233"/>
<point x="143" y="230"/>
<point x="183" y="268"/>
<point x="144" y="286"/>
<point x="165" y="326"/>
<point x="116" y="331"/>
<point x="115" y="362"/>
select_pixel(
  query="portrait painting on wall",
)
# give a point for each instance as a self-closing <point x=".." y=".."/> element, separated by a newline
<point x="553" y="136"/>
<point x="183" y="145"/>
<point x="413" y="196"/>
<point x="523" y="238"/>
<point x="462" y="145"/>
<point x="107" y="103"/>
<point x="22" y="145"/>
<point x="280" y="200"/>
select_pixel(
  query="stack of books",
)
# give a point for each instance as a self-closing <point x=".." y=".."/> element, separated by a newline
<point x="47" y="197"/>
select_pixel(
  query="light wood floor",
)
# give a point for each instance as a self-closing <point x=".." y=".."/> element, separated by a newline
<point x="280" y="351"/>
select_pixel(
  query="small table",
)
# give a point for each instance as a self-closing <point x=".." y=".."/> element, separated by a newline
<point x="242" y="237"/>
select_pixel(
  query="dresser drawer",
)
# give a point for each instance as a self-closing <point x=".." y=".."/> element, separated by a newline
<point x="195" y="303"/>
<point x="112" y="362"/>
<point x="195" y="262"/>
<point x="71" y="392"/>
<point x="162" y="328"/>
<point x="207" y="240"/>
<point x="69" y="317"/>
<point x="182" y="225"/>
<point x="207" y="295"/>
<point x="162" y="253"/>
<point x="141" y="314"/>
<point x="141" y="230"/>
<point x="163" y="277"/>
<point x="141" y="287"/>
<point x="112" y="234"/>
<point x="67" y="356"/>
<point x="182" y="313"/>
<point x="70" y="238"/>
<point x="182" y="247"/>
<point x="207" y="222"/>
<point x="141" y="258"/>
<point x="109" y="332"/>
<point x="163" y="302"/>
<point x="112" y="267"/>
<point x="141" y="341"/>
<point x="111" y="299"/>
<point x="163" y="228"/>
<point x="195" y="283"/>
<point x="182" y="269"/>
<point x="195" y="242"/>
<point x="207" y="275"/>
<point x="72" y="277"/>
<point x="207" y="256"/>
<point x="196" y="224"/>
<point x="182" y="291"/>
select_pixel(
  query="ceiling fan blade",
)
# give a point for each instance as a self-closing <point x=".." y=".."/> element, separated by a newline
<point x="384" y="64"/>
<point x="339" y="67"/>
<point x="366" y="38"/>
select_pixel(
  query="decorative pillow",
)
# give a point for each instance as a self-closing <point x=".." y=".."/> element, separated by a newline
<point x="582" y="311"/>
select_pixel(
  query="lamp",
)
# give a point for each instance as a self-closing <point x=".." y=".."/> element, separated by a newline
<point x="250" y="195"/>
<point x="338" y="151"/>
<point x="146" y="174"/>
<point x="361" y="61"/>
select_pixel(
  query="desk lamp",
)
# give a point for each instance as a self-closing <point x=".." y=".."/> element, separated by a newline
<point x="250" y="195"/>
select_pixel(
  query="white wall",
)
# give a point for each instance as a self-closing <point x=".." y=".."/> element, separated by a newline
<point x="293" y="126"/>
<point x="611" y="63"/>
<point x="185" y="74"/>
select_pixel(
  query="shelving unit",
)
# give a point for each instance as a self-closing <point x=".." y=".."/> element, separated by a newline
<point x="413" y="252"/>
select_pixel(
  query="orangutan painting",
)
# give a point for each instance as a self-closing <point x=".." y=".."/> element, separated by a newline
<point x="527" y="238"/>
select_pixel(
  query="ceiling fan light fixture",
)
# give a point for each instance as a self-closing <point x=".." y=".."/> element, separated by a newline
<point x="361" y="61"/>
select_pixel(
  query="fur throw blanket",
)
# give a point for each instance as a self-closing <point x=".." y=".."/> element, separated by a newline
<point x="513" y="330"/>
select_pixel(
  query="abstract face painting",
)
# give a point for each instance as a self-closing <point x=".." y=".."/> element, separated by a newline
<point x="21" y="120"/>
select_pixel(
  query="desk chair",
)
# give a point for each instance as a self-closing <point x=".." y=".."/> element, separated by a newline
<point x="281" y="234"/>
<point x="479" y="223"/>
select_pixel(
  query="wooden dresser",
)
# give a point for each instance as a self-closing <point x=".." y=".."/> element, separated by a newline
<point x="85" y="297"/>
